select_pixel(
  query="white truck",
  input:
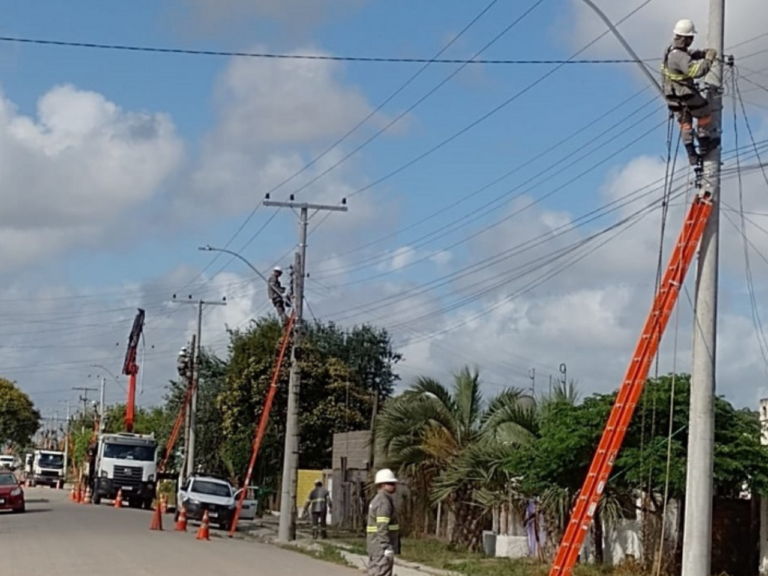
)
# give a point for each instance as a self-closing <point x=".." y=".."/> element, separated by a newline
<point x="124" y="461"/>
<point x="47" y="467"/>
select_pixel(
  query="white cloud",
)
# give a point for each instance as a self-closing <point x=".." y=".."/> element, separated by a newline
<point x="273" y="118"/>
<point x="70" y="174"/>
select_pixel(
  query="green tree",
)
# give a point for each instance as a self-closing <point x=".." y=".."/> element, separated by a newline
<point x="448" y="443"/>
<point x="553" y="468"/>
<point x="19" y="419"/>
<point x="208" y="429"/>
<point x="339" y="371"/>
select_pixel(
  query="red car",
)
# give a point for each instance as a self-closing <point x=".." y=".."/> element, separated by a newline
<point x="11" y="493"/>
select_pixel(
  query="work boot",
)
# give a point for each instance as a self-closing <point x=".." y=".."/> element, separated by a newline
<point x="693" y="156"/>
<point x="707" y="145"/>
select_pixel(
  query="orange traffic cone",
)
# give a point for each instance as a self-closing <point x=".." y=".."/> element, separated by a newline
<point x="73" y="494"/>
<point x="203" y="533"/>
<point x="119" y="498"/>
<point x="157" y="520"/>
<point x="88" y="494"/>
<point x="181" y="523"/>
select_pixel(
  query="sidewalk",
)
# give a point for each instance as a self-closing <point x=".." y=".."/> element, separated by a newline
<point x="265" y="530"/>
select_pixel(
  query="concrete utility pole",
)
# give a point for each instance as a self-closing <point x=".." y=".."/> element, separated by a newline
<point x="66" y="441"/>
<point x="184" y="365"/>
<point x="697" y="538"/>
<point x="190" y="458"/>
<point x="287" y="528"/>
<point x="84" y="400"/>
<point x="102" y="405"/>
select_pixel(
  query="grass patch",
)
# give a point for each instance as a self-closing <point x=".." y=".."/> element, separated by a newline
<point x="438" y="554"/>
<point x="323" y="552"/>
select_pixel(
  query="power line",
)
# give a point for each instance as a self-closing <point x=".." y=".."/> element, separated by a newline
<point x="400" y="116"/>
<point x="321" y="57"/>
<point x="330" y="148"/>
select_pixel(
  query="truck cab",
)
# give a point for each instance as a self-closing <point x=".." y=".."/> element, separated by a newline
<point x="48" y="468"/>
<point x="126" y="462"/>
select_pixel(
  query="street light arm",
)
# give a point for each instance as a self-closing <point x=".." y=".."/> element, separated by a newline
<point x="236" y="255"/>
<point x="624" y="43"/>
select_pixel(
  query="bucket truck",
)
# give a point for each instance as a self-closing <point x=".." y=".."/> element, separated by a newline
<point x="125" y="461"/>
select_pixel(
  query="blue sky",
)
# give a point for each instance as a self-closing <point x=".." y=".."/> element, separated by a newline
<point x="233" y="129"/>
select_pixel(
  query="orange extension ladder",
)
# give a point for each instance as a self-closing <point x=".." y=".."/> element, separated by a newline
<point x="632" y="387"/>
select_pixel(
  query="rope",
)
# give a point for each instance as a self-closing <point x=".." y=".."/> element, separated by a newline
<point x="671" y="163"/>
<point x="670" y="432"/>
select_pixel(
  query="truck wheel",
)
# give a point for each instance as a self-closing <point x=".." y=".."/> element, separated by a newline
<point x="96" y="498"/>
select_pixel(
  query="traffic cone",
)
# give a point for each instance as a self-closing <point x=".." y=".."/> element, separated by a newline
<point x="73" y="494"/>
<point x="119" y="498"/>
<point x="79" y="495"/>
<point x="181" y="523"/>
<point x="203" y="533"/>
<point x="88" y="495"/>
<point x="157" y="520"/>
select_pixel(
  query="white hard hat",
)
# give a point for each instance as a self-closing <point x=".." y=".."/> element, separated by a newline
<point x="277" y="269"/>
<point x="685" y="27"/>
<point x="385" y="476"/>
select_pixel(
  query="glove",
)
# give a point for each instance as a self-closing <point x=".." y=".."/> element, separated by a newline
<point x="710" y="54"/>
<point x="389" y="553"/>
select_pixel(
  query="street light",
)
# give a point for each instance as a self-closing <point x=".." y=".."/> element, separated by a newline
<point x="209" y="248"/>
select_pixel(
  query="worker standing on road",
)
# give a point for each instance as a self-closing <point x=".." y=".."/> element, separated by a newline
<point x="318" y="504"/>
<point x="383" y="531"/>
<point x="680" y="70"/>
<point x="275" y="293"/>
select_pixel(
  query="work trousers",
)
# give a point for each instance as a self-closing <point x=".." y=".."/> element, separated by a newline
<point x="280" y="307"/>
<point x="686" y="111"/>
<point x="319" y="521"/>
<point x="381" y="565"/>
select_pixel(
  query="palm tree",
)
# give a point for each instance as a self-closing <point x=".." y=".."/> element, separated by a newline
<point x="451" y="443"/>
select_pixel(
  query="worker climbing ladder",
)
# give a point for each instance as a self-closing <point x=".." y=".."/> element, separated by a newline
<point x="632" y="387"/>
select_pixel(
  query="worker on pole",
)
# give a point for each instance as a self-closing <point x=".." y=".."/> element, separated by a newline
<point x="318" y="504"/>
<point x="275" y="293"/>
<point x="382" y="530"/>
<point x="680" y="70"/>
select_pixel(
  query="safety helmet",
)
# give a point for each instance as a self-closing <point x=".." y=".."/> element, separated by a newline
<point x="385" y="476"/>
<point x="685" y="27"/>
<point x="277" y="269"/>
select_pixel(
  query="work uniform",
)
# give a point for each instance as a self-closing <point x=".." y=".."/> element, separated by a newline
<point x="680" y="68"/>
<point x="275" y="293"/>
<point x="382" y="535"/>
<point x="318" y="502"/>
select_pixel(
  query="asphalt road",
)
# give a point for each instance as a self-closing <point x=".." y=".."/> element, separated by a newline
<point x="58" y="537"/>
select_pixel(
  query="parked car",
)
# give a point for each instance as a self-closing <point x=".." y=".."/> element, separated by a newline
<point x="218" y="497"/>
<point x="8" y="462"/>
<point x="11" y="493"/>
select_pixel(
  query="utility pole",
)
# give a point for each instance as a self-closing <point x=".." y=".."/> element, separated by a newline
<point x="102" y="405"/>
<point x="697" y="538"/>
<point x="66" y="442"/>
<point x="84" y="399"/>
<point x="185" y="363"/>
<point x="190" y="459"/>
<point x="287" y="528"/>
